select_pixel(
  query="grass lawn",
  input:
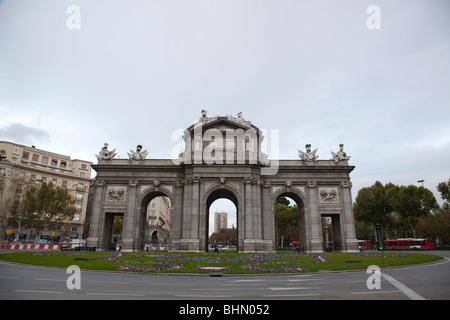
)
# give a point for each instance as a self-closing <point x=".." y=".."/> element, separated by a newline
<point x="224" y="262"/>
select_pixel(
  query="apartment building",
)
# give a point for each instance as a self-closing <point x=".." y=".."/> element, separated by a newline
<point x="220" y="221"/>
<point x="158" y="217"/>
<point x="21" y="165"/>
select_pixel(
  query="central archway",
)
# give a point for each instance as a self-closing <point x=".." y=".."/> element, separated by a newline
<point x="221" y="193"/>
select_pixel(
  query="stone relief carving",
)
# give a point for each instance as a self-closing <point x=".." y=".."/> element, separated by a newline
<point x="116" y="194"/>
<point x="138" y="154"/>
<point x="104" y="154"/>
<point x="308" y="155"/>
<point x="311" y="184"/>
<point x="346" y="184"/>
<point x="328" y="195"/>
<point x="340" y="155"/>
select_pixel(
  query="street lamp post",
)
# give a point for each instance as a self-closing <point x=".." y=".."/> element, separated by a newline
<point x="423" y="188"/>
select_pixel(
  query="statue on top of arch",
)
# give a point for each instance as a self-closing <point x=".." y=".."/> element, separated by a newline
<point x="138" y="154"/>
<point x="240" y="120"/>
<point x="340" y="155"/>
<point x="105" y="154"/>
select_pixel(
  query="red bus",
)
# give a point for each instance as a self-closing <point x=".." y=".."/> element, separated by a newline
<point x="408" y="244"/>
<point x="294" y="246"/>
<point x="364" y="245"/>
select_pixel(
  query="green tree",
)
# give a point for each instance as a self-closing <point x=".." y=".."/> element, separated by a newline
<point x="444" y="189"/>
<point x="286" y="223"/>
<point x="45" y="203"/>
<point x="411" y="202"/>
<point x="372" y="204"/>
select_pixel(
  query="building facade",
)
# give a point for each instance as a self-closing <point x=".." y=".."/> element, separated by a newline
<point x="158" y="221"/>
<point x="220" y="221"/>
<point x="23" y="165"/>
<point x="223" y="158"/>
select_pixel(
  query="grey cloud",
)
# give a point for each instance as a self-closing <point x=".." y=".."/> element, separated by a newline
<point x="20" y="133"/>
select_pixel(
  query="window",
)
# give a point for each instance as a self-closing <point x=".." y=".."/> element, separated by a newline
<point x="64" y="184"/>
<point x="82" y="174"/>
<point x="74" y="228"/>
<point x="79" y="197"/>
<point x="55" y="182"/>
<point x="83" y="167"/>
<point x="80" y="187"/>
<point x="33" y="177"/>
<point x="63" y="164"/>
<point x="76" y="217"/>
<point x="35" y="157"/>
<point x="21" y="175"/>
<point x="45" y="160"/>
<point x="54" y="162"/>
<point x="25" y="155"/>
<point x="77" y="207"/>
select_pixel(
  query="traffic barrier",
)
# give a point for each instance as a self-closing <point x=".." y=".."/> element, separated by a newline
<point x="30" y="246"/>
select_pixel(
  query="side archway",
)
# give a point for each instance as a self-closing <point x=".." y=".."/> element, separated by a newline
<point x="300" y="200"/>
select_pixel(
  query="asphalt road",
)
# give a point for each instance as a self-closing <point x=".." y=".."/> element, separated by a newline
<point x="428" y="282"/>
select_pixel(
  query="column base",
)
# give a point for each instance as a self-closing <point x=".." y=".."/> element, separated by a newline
<point x="184" y="245"/>
<point x="257" y="245"/>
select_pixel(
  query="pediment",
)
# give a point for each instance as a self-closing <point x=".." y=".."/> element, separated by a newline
<point x="223" y="123"/>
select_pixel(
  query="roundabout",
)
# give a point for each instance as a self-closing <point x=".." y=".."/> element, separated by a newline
<point x="231" y="263"/>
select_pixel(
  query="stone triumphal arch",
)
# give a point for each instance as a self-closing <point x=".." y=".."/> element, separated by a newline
<point x="223" y="158"/>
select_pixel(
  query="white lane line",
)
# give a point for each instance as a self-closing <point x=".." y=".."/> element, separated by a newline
<point x="42" y="279"/>
<point x="293" y="295"/>
<point x="115" y="294"/>
<point x="199" y="296"/>
<point x="293" y="288"/>
<point x="38" y="291"/>
<point x="369" y="292"/>
<point x="298" y="280"/>
<point x="400" y="286"/>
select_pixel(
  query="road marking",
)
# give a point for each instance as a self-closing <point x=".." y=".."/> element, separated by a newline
<point x="377" y="291"/>
<point x="292" y="288"/>
<point x="297" y="280"/>
<point x="252" y="280"/>
<point x="38" y="291"/>
<point x="225" y="289"/>
<point x="115" y="294"/>
<point x="198" y="296"/>
<point x="400" y="286"/>
<point x="107" y="282"/>
<point x="293" y="295"/>
<point x="41" y="279"/>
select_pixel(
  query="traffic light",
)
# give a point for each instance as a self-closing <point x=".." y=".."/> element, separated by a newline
<point x="380" y="240"/>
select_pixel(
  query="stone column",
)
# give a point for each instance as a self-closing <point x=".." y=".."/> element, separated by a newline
<point x="315" y="224"/>
<point x="349" y="241"/>
<point x="248" y="212"/>
<point x="268" y="223"/>
<point x="130" y="219"/>
<point x="176" y="216"/>
<point x="97" y="217"/>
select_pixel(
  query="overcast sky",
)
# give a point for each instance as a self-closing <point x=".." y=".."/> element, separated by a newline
<point x="136" y="71"/>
